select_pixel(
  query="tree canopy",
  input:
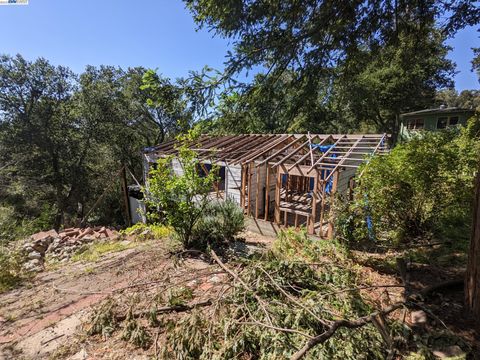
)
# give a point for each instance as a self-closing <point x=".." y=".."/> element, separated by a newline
<point x="338" y="64"/>
<point x="63" y="136"/>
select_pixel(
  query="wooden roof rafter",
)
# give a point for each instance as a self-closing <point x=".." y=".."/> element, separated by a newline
<point x="289" y="150"/>
<point x="264" y="149"/>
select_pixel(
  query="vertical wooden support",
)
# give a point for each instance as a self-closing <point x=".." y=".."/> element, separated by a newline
<point x="267" y="191"/>
<point x="242" y="192"/>
<point x="249" y="188"/>
<point x="257" y="195"/>
<point x="125" y="195"/>
<point x="278" y="187"/>
<point x="332" y="198"/>
<point x="322" y="209"/>
<point x="288" y="197"/>
<point x="313" y="218"/>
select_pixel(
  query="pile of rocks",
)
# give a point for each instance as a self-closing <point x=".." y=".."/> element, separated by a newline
<point x="61" y="246"/>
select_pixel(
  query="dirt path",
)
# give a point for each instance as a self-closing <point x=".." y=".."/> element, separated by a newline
<point x="36" y="318"/>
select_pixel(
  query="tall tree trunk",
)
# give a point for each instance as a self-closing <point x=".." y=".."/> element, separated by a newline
<point x="472" y="280"/>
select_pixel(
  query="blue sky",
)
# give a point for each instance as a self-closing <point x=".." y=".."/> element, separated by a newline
<point x="151" y="33"/>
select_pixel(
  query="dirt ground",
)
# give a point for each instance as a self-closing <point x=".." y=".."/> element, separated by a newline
<point x="45" y="318"/>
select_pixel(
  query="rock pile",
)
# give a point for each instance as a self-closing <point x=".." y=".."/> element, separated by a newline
<point x="61" y="246"/>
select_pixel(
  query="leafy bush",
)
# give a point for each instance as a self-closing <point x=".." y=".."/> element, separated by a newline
<point x="10" y="269"/>
<point x="221" y="221"/>
<point x="424" y="186"/>
<point x="12" y="227"/>
<point x="180" y="200"/>
<point x="148" y="231"/>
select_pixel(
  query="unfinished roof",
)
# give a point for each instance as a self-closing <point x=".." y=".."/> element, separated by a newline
<point x="309" y="151"/>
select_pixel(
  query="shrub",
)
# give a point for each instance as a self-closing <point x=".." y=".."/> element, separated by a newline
<point x="424" y="186"/>
<point x="148" y="231"/>
<point x="180" y="199"/>
<point x="221" y="221"/>
<point x="10" y="269"/>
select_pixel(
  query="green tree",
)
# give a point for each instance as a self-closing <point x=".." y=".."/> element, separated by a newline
<point x="333" y="64"/>
<point x="63" y="136"/>
<point x="36" y="129"/>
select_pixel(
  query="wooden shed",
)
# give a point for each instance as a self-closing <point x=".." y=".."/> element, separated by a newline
<point x="285" y="179"/>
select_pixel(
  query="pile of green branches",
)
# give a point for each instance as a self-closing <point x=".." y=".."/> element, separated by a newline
<point x="302" y="299"/>
<point x="278" y="302"/>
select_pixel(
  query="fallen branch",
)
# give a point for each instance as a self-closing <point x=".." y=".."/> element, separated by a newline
<point x="319" y="339"/>
<point x="292" y="331"/>
<point x="168" y="309"/>
<point x="351" y="324"/>
<point x="292" y="299"/>
<point x="245" y="285"/>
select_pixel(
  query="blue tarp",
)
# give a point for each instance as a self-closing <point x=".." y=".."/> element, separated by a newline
<point x="325" y="173"/>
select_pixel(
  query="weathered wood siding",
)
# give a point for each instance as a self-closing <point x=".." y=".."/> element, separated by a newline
<point x="177" y="167"/>
<point x="344" y="180"/>
<point x="233" y="181"/>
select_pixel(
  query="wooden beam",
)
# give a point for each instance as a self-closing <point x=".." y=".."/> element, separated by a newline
<point x="267" y="191"/>
<point x="307" y="154"/>
<point x="278" y="187"/>
<point x="322" y="209"/>
<point x="314" y="205"/>
<point x="257" y="195"/>
<point x="249" y="188"/>
<point x="324" y="155"/>
<point x="334" y="170"/>
<point x="278" y="152"/>
<point x="269" y="146"/>
<point x="285" y="158"/>
<point x="125" y="196"/>
<point x="242" y="190"/>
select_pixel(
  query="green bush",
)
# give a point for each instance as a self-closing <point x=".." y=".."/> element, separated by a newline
<point x="221" y="221"/>
<point x="13" y="227"/>
<point x="10" y="269"/>
<point x="179" y="200"/>
<point x="423" y="187"/>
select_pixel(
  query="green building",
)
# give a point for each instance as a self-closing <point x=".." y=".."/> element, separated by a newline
<point x="433" y="119"/>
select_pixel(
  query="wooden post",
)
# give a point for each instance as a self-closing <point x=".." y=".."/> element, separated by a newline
<point x="267" y="192"/>
<point x="472" y="277"/>
<point x="311" y="226"/>
<point x="332" y="198"/>
<point x="242" y="192"/>
<point x="322" y="209"/>
<point x="125" y="195"/>
<point x="278" y="186"/>
<point x="257" y="195"/>
<point x="249" y="187"/>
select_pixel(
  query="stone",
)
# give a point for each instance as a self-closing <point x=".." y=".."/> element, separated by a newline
<point x="43" y="235"/>
<point x="34" y="265"/>
<point x="419" y="317"/>
<point x="39" y="248"/>
<point x="215" y="279"/>
<point x="453" y="351"/>
<point x="81" y="355"/>
<point x="87" y="239"/>
<point x="34" y="255"/>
